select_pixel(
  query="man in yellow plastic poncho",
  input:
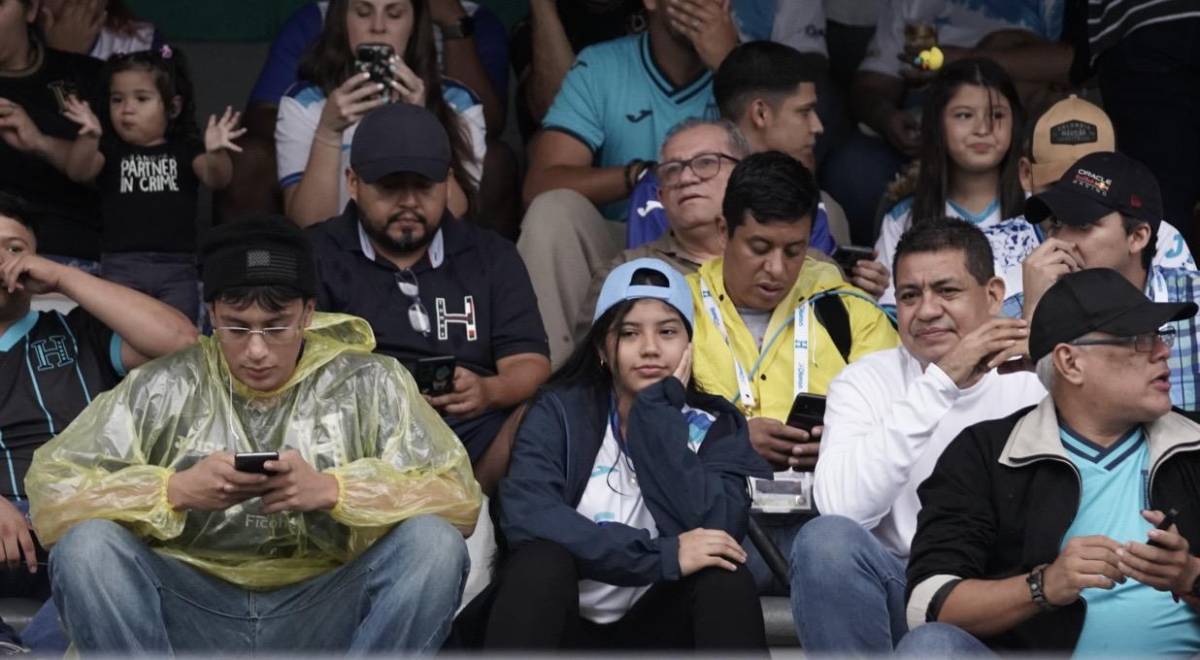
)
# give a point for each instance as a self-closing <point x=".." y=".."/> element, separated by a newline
<point x="160" y="544"/>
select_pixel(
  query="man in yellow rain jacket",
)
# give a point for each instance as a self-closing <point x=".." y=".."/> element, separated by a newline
<point x="754" y="302"/>
<point x="160" y="544"/>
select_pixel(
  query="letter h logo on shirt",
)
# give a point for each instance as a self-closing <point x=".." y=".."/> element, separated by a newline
<point x="52" y="353"/>
<point x="467" y="318"/>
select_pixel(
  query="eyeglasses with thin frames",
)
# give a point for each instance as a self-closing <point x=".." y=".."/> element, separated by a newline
<point x="1143" y="343"/>
<point x="418" y="316"/>
<point x="232" y="334"/>
<point x="705" y="166"/>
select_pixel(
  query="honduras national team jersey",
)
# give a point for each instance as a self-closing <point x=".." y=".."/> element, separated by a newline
<point x="618" y="103"/>
<point x="51" y="367"/>
<point x="1131" y="619"/>
<point x="1011" y="239"/>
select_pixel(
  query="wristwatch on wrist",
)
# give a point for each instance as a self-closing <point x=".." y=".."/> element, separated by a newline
<point x="464" y="28"/>
<point x="1037" y="590"/>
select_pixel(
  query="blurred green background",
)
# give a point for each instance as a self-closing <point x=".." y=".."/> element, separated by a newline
<point x="251" y="20"/>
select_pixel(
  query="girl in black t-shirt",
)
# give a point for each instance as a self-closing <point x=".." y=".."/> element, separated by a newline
<point x="148" y="170"/>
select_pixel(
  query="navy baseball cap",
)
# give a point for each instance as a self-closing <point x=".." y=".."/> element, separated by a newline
<point x="619" y="287"/>
<point x="400" y="137"/>
<point x="1095" y="186"/>
<point x="1097" y="300"/>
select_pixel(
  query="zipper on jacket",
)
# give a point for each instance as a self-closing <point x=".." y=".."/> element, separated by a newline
<point x="1078" y="483"/>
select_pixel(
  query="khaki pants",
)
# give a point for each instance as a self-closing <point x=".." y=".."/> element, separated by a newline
<point x="565" y="242"/>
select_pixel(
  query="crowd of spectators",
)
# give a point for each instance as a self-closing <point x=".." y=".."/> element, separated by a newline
<point x="888" y="310"/>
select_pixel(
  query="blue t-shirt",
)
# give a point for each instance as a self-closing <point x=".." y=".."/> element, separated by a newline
<point x="648" y="219"/>
<point x="1130" y="618"/>
<point x="618" y="103"/>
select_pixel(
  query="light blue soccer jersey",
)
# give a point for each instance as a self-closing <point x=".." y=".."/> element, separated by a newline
<point x="616" y="101"/>
<point x="1130" y="618"/>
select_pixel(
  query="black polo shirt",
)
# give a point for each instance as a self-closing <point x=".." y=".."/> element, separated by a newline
<point x="474" y="287"/>
<point x="51" y="367"/>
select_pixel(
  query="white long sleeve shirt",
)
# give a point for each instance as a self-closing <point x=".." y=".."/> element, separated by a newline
<point x="886" y="424"/>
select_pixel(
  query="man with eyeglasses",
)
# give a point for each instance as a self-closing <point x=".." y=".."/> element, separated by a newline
<point x="694" y="165"/>
<point x="1071" y="526"/>
<point x="1105" y="212"/>
<point x="277" y="488"/>
<point x="431" y="285"/>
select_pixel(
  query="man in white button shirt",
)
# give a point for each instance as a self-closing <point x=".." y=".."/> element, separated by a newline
<point x="888" y="418"/>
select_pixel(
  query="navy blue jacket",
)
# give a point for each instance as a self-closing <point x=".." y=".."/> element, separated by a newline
<point x="555" y="451"/>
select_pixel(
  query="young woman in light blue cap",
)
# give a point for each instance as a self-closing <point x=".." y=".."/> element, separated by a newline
<point x="626" y="495"/>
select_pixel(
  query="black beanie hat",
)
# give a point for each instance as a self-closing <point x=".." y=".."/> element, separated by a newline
<point x="261" y="251"/>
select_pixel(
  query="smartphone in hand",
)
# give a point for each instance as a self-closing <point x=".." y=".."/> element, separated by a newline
<point x="808" y="411"/>
<point x="254" y="461"/>
<point x="435" y="375"/>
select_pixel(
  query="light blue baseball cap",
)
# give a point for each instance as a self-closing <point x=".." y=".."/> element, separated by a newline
<point x="618" y="287"/>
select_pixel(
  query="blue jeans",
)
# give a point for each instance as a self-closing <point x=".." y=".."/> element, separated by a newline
<point x="118" y="596"/>
<point x="940" y="640"/>
<point x="847" y="589"/>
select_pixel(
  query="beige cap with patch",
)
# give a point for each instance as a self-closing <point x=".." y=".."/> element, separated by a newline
<point x="1066" y="132"/>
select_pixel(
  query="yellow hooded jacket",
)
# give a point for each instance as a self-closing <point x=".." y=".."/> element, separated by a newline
<point x="349" y="412"/>
<point x="770" y="370"/>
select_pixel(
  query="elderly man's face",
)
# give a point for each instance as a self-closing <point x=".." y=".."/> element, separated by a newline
<point x="693" y="198"/>
<point x="1131" y="385"/>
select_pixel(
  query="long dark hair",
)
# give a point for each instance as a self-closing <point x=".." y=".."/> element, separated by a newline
<point x="933" y="178"/>
<point x="330" y="61"/>
<point x="168" y="67"/>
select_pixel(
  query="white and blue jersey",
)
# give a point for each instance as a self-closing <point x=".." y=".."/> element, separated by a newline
<point x="51" y="367"/>
<point x="617" y="102"/>
<point x="1133" y="618"/>
<point x="300" y="112"/>
<point x="1011" y="240"/>
<point x="612" y="495"/>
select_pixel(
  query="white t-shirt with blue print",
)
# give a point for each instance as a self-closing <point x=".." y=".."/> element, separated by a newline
<point x="612" y="496"/>
<point x="1131" y="619"/>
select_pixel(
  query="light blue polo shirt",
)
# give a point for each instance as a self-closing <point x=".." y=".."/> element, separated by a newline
<point x="617" y="102"/>
<point x="1130" y="618"/>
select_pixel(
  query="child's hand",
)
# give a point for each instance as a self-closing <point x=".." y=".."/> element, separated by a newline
<point x="81" y="113"/>
<point x="221" y="133"/>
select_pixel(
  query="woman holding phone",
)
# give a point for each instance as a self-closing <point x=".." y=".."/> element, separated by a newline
<point x="318" y="115"/>
<point x="626" y="495"/>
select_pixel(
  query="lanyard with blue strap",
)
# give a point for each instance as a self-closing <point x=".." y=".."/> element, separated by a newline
<point x="801" y="340"/>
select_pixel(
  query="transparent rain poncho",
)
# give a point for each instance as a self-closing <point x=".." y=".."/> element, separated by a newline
<point x="350" y="413"/>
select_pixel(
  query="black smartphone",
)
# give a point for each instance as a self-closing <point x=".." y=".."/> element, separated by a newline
<point x="253" y="461"/>
<point x="1166" y="523"/>
<point x="375" y="60"/>
<point x="848" y="255"/>
<point x="808" y="410"/>
<point x="435" y="375"/>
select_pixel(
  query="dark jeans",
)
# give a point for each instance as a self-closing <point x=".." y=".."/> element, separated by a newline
<point x="1151" y="87"/>
<point x="536" y="606"/>
<point x="167" y="277"/>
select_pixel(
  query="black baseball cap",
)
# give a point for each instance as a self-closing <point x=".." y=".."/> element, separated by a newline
<point x="1097" y="300"/>
<point x="400" y="137"/>
<point x="1095" y="186"/>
